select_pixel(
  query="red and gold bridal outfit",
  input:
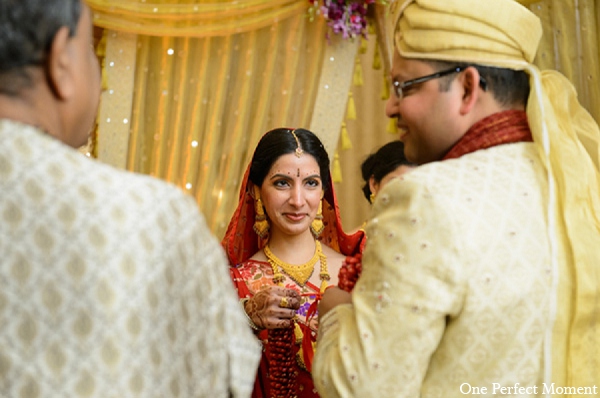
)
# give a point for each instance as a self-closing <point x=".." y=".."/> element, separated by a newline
<point x="249" y="276"/>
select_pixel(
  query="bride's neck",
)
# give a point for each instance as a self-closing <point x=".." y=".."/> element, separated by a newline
<point x="293" y="249"/>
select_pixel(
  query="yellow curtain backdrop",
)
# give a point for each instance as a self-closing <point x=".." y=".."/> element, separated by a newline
<point x="198" y="114"/>
<point x="210" y="79"/>
<point x="570" y="44"/>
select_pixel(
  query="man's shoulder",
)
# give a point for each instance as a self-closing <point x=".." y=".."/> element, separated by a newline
<point x="108" y="179"/>
<point x="491" y="173"/>
<point x="147" y="197"/>
<point x="478" y="166"/>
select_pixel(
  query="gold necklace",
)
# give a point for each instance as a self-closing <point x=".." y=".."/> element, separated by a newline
<point x="298" y="273"/>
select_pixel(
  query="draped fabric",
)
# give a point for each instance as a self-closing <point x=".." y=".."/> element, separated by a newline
<point x="200" y="102"/>
<point x="197" y="113"/>
<point x="192" y="18"/>
<point x="570" y="45"/>
<point x="497" y="129"/>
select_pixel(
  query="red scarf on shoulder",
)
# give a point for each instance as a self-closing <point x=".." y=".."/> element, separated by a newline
<point x="505" y="127"/>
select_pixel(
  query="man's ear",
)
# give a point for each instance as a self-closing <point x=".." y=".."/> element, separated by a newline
<point x="59" y="65"/>
<point x="470" y="84"/>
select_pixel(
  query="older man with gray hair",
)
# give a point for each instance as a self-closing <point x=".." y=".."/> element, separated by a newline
<point x="111" y="283"/>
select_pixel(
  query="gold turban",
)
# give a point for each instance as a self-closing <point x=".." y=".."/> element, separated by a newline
<point x="503" y="33"/>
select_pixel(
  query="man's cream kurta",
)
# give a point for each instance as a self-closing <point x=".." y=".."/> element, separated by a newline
<point x="110" y="283"/>
<point x="456" y="286"/>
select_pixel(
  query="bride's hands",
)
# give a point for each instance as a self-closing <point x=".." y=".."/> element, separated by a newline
<point x="273" y="307"/>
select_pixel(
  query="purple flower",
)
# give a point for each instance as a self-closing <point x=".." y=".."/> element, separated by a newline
<point x="345" y="17"/>
<point x="303" y="309"/>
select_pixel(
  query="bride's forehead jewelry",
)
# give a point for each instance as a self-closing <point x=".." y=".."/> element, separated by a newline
<point x="299" y="149"/>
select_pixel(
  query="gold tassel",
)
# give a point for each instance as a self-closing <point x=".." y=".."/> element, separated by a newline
<point x="392" y="128"/>
<point x="93" y="140"/>
<point x="346" y="142"/>
<point x="377" y="58"/>
<point x="101" y="46"/>
<point x="104" y="75"/>
<point x="358" y="76"/>
<point x="385" y="90"/>
<point x="298" y="333"/>
<point x="363" y="45"/>
<point x="371" y="27"/>
<point x="336" y="173"/>
<point x="350" y="108"/>
<point x="101" y="53"/>
<point x="261" y="225"/>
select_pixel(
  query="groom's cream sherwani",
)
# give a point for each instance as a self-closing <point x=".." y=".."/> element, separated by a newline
<point x="456" y="285"/>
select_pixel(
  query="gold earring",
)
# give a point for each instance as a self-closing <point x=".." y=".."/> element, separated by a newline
<point x="317" y="226"/>
<point x="372" y="197"/>
<point x="261" y="225"/>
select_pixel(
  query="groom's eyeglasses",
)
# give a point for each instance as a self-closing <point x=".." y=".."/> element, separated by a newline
<point x="399" y="87"/>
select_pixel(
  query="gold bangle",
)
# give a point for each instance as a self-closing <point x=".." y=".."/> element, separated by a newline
<point x="243" y="304"/>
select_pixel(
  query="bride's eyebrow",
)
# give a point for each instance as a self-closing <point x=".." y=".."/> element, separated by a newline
<point x="316" y="176"/>
<point x="287" y="176"/>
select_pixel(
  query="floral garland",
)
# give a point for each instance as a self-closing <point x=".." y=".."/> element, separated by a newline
<point x="345" y="17"/>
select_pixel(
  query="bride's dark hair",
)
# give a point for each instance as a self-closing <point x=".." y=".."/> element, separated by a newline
<point x="281" y="141"/>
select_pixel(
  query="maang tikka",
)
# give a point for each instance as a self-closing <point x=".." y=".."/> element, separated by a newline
<point x="299" y="150"/>
<point x="261" y="225"/>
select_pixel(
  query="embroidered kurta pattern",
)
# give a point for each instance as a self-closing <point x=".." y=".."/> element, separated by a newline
<point x="455" y="285"/>
<point x="108" y="291"/>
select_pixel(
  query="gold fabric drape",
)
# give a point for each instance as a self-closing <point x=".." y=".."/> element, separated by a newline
<point x="201" y="102"/>
<point x="569" y="45"/>
<point x="192" y="18"/>
<point x="198" y="113"/>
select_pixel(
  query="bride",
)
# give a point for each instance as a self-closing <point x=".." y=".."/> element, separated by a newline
<point x="286" y="246"/>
